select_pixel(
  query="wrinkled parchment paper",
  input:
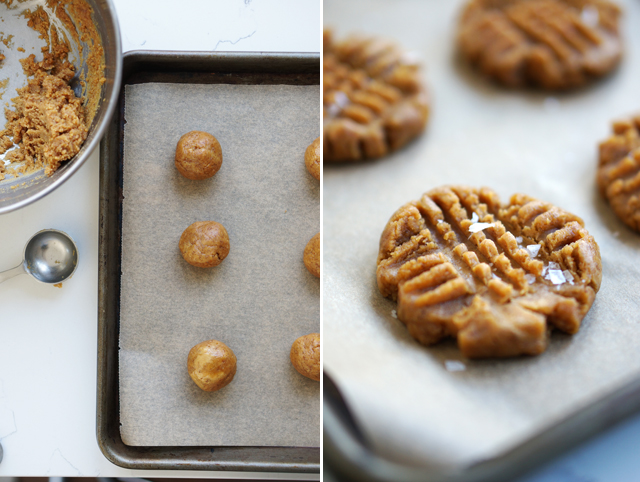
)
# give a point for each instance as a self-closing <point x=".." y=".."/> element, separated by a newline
<point x="409" y="406"/>
<point x="257" y="301"/>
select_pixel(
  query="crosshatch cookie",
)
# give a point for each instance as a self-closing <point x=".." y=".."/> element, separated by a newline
<point x="495" y="276"/>
<point x="619" y="171"/>
<point x="374" y="99"/>
<point x="553" y="44"/>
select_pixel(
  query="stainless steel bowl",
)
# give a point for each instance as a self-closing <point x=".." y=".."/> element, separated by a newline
<point x="22" y="190"/>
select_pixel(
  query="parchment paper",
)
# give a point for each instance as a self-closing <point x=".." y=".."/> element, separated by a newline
<point x="257" y="301"/>
<point x="409" y="406"/>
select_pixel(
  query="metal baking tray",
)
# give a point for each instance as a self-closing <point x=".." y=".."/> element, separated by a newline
<point x="348" y="457"/>
<point x="176" y="67"/>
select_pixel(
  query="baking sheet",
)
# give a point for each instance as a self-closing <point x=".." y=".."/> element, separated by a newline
<point x="410" y="407"/>
<point x="258" y="301"/>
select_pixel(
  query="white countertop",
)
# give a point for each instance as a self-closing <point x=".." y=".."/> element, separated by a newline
<point x="48" y="336"/>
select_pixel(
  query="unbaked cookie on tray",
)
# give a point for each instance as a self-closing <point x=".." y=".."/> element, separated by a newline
<point x="619" y="171"/>
<point x="495" y="276"/>
<point x="553" y="44"/>
<point x="374" y="99"/>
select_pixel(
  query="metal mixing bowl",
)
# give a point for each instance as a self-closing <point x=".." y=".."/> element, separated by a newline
<point x="22" y="190"/>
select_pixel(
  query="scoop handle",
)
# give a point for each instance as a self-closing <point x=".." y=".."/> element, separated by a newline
<point x="10" y="273"/>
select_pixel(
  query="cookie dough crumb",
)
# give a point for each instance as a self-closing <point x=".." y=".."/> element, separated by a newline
<point x="58" y="285"/>
<point x="211" y="365"/>
<point x="204" y="244"/>
<point x="48" y="120"/>
<point x="198" y="155"/>
<point x="305" y="356"/>
<point x="312" y="158"/>
<point x="311" y="256"/>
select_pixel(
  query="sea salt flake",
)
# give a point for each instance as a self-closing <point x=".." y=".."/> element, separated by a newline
<point x="394" y="314"/>
<point x="531" y="278"/>
<point x="519" y="240"/>
<point x="553" y="265"/>
<point x="454" y="366"/>
<point x="474" y="218"/>
<point x="567" y="274"/>
<point x="495" y="276"/>
<point x="556" y="277"/>
<point x="474" y="228"/>
<point x="533" y="249"/>
<point x="590" y="16"/>
<point x="440" y="221"/>
<point x="341" y="99"/>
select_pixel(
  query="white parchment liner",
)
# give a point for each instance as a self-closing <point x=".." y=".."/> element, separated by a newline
<point x="408" y="405"/>
<point x="258" y="301"/>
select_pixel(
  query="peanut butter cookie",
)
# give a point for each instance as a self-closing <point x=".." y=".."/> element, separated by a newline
<point x="619" y="171"/>
<point x="374" y="100"/>
<point x="494" y="276"/>
<point x="198" y="155"/>
<point x="305" y="356"/>
<point x="212" y="365"/>
<point x="311" y="256"/>
<point x="553" y="44"/>
<point x="312" y="158"/>
<point x="204" y="244"/>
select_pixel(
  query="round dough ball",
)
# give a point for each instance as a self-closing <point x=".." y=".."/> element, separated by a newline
<point x="305" y="356"/>
<point x="198" y="155"/>
<point x="312" y="158"/>
<point x="311" y="256"/>
<point x="212" y="365"/>
<point x="204" y="244"/>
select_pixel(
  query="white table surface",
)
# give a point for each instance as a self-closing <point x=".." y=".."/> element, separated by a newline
<point x="48" y="336"/>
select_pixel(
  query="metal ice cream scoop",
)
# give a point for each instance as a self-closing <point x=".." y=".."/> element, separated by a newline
<point x="50" y="256"/>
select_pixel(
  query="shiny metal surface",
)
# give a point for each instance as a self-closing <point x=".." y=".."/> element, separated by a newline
<point x="19" y="192"/>
<point x="50" y="256"/>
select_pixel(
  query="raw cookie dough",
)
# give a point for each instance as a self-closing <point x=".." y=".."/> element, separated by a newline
<point x="212" y="365"/>
<point x="311" y="256"/>
<point x="198" y="155"/>
<point x="312" y="158"/>
<point x="204" y="244"/>
<point x="553" y="44"/>
<point x="619" y="171"/>
<point x="374" y="99"/>
<point x="305" y="356"/>
<point x="494" y="276"/>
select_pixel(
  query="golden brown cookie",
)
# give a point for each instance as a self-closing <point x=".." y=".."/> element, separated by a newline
<point x="374" y="99"/>
<point x="198" y="155"/>
<point x="312" y="158"/>
<point x="311" y="256"/>
<point x="305" y="356"/>
<point x="495" y="276"/>
<point x="553" y="44"/>
<point x="212" y="365"/>
<point x="204" y="244"/>
<point x="619" y="171"/>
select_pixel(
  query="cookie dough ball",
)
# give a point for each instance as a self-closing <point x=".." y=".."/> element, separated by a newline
<point x="212" y="365"/>
<point x="305" y="356"/>
<point x="312" y="158"/>
<point x="204" y="244"/>
<point x="198" y="155"/>
<point x="311" y="256"/>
